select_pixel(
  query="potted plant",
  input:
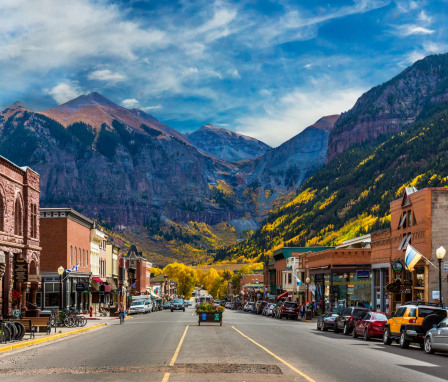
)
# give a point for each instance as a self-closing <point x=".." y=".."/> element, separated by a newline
<point x="208" y="313"/>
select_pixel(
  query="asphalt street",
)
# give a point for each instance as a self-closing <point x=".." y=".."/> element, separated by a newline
<point x="170" y="346"/>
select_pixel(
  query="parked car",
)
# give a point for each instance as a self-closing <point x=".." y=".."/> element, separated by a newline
<point x="187" y="303"/>
<point x="177" y="304"/>
<point x="137" y="306"/>
<point x="326" y="321"/>
<point x="370" y="326"/>
<point x="249" y="306"/>
<point x="346" y="320"/>
<point x="238" y="305"/>
<point x="260" y="306"/>
<point x="148" y="306"/>
<point x="268" y="309"/>
<point x="289" y="310"/>
<point x="216" y="303"/>
<point x="411" y="322"/>
<point x="436" y="340"/>
<point x="167" y="305"/>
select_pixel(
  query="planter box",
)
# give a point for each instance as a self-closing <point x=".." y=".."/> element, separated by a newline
<point x="210" y="317"/>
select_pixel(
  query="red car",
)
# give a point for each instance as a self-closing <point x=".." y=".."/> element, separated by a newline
<point x="370" y="326"/>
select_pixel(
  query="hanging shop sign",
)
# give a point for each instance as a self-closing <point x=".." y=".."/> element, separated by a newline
<point x="79" y="287"/>
<point x="21" y="271"/>
<point x="397" y="267"/>
<point x="362" y="274"/>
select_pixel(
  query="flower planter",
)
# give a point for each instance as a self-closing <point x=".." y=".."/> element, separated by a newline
<point x="214" y="317"/>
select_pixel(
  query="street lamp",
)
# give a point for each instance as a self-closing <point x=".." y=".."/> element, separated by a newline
<point x="440" y="253"/>
<point x="307" y="282"/>
<point x="60" y="273"/>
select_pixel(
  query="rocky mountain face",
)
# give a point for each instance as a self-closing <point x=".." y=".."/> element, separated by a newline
<point x="284" y="168"/>
<point x="392" y="106"/>
<point x="226" y="144"/>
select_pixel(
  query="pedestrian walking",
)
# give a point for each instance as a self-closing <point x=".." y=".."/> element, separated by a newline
<point x="302" y="311"/>
<point x="122" y="313"/>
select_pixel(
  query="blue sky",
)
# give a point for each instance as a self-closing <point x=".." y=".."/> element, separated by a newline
<point x="263" y="68"/>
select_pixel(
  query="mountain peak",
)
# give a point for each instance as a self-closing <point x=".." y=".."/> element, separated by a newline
<point x="91" y="99"/>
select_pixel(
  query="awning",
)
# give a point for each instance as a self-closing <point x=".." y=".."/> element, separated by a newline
<point x="284" y="294"/>
<point x="111" y="282"/>
<point x="97" y="280"/>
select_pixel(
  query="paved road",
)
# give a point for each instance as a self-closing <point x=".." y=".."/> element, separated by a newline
<point x="165" y="346"/>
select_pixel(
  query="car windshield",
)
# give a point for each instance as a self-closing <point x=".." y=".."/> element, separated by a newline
<point x="177" y="301"/>
<point x="380" y="317"/>
<point x="359" y="312"/>
<point x="290" y="304"/>
<point x="136" y="303"/>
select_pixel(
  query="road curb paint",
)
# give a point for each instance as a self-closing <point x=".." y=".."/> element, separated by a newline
<point x="19" y="345"/>
<point x="309" y="379"/>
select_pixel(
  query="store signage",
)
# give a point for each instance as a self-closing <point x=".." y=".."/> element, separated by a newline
<point x="362" y="274"/>
<point x="397" y="267"/>
<point x="34" y="278"/>
<point x="319" y="278"/>
<point x="21" y="271"/>
<point x="79" y="287"/>
<point x="405" y="291"/>
<point x="435" y="295"/>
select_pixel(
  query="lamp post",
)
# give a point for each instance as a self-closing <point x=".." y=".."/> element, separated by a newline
<point x="307" y="282"/>
<point x="440" y="253"/>
<point x="60" y="273"/>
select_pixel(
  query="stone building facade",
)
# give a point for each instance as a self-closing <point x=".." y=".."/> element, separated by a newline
<point x="19" y="237"/>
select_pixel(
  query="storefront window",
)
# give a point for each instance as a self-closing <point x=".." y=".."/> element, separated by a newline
<point x="52" y="295"/>
<point x="351" y="289"/>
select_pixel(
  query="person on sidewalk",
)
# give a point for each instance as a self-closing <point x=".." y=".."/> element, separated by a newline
<point x="302" y="311"/>
<point x="122" y="313"/>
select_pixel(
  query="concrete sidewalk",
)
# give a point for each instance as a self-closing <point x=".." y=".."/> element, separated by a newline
<point x="57" y="333"/>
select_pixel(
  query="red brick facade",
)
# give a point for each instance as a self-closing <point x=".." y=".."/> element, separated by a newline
<point x="19" y="233"/>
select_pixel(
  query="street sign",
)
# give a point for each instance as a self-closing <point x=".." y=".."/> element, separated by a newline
<point x="435" y="295"/>
<point x="21" y="271"/>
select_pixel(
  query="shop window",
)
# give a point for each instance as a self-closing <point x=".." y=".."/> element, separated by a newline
<point x="52" y="295"/>
<point x="289" y="278"/>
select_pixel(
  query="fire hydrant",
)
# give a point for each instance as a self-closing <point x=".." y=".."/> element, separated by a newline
<point x="91" y="311"/>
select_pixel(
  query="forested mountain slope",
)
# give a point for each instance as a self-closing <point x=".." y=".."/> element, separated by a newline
<point x="350" y="196"/>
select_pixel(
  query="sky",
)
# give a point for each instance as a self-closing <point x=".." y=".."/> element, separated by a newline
<point x="267" y="69"/>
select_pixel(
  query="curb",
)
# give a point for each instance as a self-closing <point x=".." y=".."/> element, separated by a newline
<point x="27" y="343"/>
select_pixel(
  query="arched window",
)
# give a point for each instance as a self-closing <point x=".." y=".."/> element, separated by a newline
<point x="18" y="217"/>
<point x="71" y="255"/>
<point x="76" y="256"/>
<point x="83" y="258"/>
<point x="2" y="212"/>
<point x="87" y="257"/>
<point x="33" y="220"/>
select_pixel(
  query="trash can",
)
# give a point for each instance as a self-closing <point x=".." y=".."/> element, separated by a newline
<point x="308" y="315"/>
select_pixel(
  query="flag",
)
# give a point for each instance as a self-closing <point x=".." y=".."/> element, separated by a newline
<point x="412" y="257"/>
<point x="298" y="280"/>
<point x="74" y="268"/>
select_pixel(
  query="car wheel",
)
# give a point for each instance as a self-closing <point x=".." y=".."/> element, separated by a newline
<point x="346" y="330"/>
<point x="354" y="334"/>
<point x="386" y="337"/>
<point x="336" y="329"/>
<point x="172" y="310"/>
<point x="184" y="309"/>
<point x="366" y="335"/>
<point x="318" y="326"/>
<point x="325" y="329"/>
<point x="428" y="346"/>
<point x="404" y="343"/>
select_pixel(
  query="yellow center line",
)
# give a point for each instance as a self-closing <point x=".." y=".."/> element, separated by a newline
<point x="309" y="379"/>
<point x="176" y="353"/>
<point x="166" y="377"/>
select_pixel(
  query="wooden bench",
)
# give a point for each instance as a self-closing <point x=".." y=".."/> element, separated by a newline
<point x="31" y="323"/>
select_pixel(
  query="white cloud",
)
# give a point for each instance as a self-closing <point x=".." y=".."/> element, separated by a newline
<point x="65" y="91"/>
<point x="308" y="66"/>
<point x="413" y="29"/>
<point x="295" y="111"/>
<point x="130" y="103"/>
<point x="106" y="75"/>
<point x="155" y="107"/>
<point x="422" y="16"/>
<point x="235" y="74"/>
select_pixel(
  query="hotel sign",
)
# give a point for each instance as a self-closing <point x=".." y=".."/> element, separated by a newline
<point x="21" y="271"/>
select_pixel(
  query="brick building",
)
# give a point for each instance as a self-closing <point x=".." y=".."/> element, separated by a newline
<point x="65" y="239"/>
<point x="418" y="218"/>
<point x="19" y="236"/>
